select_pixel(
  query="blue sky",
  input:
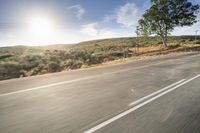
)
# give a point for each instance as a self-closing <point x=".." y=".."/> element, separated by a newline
<point x="41" y="22"/>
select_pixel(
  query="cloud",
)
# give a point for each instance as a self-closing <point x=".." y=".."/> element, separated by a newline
<point x="90" y="29"/>
<point x="127" y="15"/>
<point x="78" y="10"/>
<point x="95" y="31"/>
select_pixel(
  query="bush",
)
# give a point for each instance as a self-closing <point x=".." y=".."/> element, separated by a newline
<point x="197" y="42"/>
<point x="5" y="56"/>
<point x="174" y="46"/>
<point x="31" y="61"/>
<point x="118" y="53"/>
<point x="38" y="70"/>
<point x="95" y="59"/>
<point x="159" y="42"/>
<point x="53" y="67"/>
<point x="191" y="40"/>
<point x="109" y="58"/>
<point x="77" y="64"/>
<point x="10" y="70"/>
<point x="72" y="64"/>
<point x="182" y="41"/>
<point x="43" y="72"/>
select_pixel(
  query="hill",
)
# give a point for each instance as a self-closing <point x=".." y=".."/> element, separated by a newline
<point x="23" y="61"/>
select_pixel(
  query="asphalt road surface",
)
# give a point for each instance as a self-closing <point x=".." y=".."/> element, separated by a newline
<point x="158" y="95"/>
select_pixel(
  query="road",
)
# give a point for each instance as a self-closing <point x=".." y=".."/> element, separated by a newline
<point x="158" y="95"/>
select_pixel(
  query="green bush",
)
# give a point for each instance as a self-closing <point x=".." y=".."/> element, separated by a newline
<point x="197" y="42"/>
<point x="109" y="58"/>
<point x="72" y="64"/>
<point x="10" y="70"/>
<point x="30" y="61"/>
<point x="174" y="46"/>
<point x="4" y="56"/>
<point x="159" y="42"/>
<point x="77" y="64"/>
<point x="41" y="68"/>
<point x="118" y="53"/>
<point x="191" y="39"/>
<point x="95" y="59"/>
<point x="182" y="41"/>
<point x="53" y="67"/>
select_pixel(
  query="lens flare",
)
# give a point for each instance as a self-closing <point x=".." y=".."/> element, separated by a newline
<point x="41" y="25"/>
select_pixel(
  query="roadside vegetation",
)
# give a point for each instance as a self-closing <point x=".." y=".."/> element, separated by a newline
<point x="22" y="61"/>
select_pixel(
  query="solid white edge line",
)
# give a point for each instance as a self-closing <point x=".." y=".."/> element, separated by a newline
<point x="105" y="123"/>
<point x="69" y="81"/>
<point x="41" y="87"/>
<point x="75" y="80"/>
<point x="154" y="93"/>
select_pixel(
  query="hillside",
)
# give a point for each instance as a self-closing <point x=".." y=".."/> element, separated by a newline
<point x="23" y="61"/>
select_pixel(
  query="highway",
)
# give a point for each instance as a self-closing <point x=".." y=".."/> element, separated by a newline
<point x="157" y="95"/>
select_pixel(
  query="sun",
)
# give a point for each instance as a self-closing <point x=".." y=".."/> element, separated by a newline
<point x="41" y="25"/>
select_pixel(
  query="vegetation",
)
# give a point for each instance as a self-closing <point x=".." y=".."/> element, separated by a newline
<point x="164" y="15"/>
<point x="21" y="61"/>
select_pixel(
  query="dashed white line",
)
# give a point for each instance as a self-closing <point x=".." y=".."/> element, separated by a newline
<point x="105" y="123"/>
<point x="154" y="93"/>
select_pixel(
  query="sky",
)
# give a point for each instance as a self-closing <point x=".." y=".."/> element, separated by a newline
<point x="44" y="22"/>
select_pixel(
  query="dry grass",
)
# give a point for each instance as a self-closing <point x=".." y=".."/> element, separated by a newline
<point x="155" y="51"/>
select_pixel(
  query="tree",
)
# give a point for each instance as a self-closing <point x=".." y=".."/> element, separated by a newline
<point x="164" y="15"/>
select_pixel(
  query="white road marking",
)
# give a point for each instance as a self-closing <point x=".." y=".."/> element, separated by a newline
<point x="154" y="93"/>
<point x="105" y="123"/>
<point x="75" y="80"/>
<point x="90" y="77"/>
<point x="44" y="86"/>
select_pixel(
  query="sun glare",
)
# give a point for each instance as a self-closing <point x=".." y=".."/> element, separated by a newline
<point x="40" y="25"/>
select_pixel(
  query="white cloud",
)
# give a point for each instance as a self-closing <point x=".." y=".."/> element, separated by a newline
<point x="127" y="15"/>
<point x="95" y="31"/>
<point x="90" y="29"/>
<point x="79" y="10"/>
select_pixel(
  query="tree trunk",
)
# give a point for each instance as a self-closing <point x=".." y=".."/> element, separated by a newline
<point x="164" y="40"/>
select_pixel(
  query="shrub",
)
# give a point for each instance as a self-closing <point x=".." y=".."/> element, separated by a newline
<point x="53" y="67"/>
<point x="159" y="42"/>
<point x="183" y="40"/>
<point x="191" y="39"/>
<point x="174" y="46"/>
<point x="77" y="64"/>
<point x="197" y="42"/>
<point x="43" y="71"/>
<point x="38" y="70"/>
<point x="118" y="53"/>
<point x="10" y="70"/>
<point x="5" y="56"/>
<point x="54" y="58"/>
<point x="72" y="64"/>
<point x="95" y="59"/>
<point x="31" y="61"/>
<point x="109" y="58"/>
